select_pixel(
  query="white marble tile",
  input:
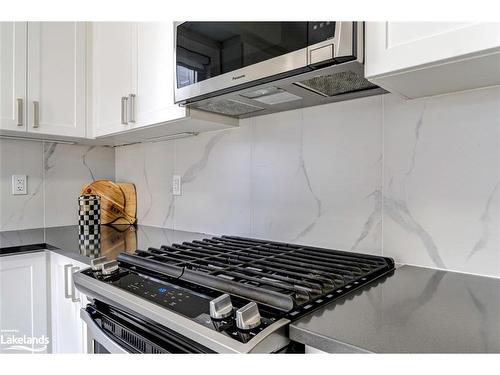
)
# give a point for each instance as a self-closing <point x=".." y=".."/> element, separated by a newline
<point x="215" y="172"/>
<point x="316" y="176"/>
<point x="21" y="211"/>
<point x="441" y="181"/>
<point x="282" y="203"/>
<point x="67" y="169"/>
<point x="150" y="167"/>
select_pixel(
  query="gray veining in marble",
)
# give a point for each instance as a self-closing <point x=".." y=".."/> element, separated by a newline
<point x="418" y="126"/>
<point x="148" y="189"/>
<point x="374" y="219"/>
<point x="67" y="169"/>
<point x="319" y="205"/>
<point x="84" y="162"/>
<point x="49" y="149"/>
<point x="441" y="177"/>
<point x="399" y="212"/>
<point x="56" y="173"/>
<point x="194" y="170"/>
<point x="486" y="223"/>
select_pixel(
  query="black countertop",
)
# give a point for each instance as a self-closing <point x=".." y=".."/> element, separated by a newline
<point x="415" y="310"/>
<point x="412" y="310"/>
<point x="114" y="240"/>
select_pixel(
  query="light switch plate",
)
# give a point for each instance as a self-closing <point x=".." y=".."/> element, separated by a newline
<point x="176" y="185"/>
<point x="19" y="184"/>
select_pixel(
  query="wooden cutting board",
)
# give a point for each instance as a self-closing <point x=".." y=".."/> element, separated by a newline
<point x="118" y="201"/>
<point x="130" y="201"/>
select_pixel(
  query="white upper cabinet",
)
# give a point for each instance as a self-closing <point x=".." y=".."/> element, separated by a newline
<point x="113" y="75"/>
<point x="42" y="77"/>
<point x="155" y="72"/>
<point x="132" y="76"/>
<point x="418" y="59"/>
<point x="56" y="78"/>
<point x="13" y="75"/>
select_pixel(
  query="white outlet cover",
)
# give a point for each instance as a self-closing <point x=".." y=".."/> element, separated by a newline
<point x="176" y="185"/>
<point x="19" y="184"/>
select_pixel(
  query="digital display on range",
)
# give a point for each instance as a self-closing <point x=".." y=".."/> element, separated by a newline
<point x="173" y="298"/>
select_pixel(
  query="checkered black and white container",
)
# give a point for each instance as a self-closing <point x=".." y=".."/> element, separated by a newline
<point x="89" y="221"/>
<point x="89" y="212"/>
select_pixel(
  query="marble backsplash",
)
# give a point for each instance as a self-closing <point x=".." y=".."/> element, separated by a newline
<point x="414" y="180"/>
<point x="56" y="173"/>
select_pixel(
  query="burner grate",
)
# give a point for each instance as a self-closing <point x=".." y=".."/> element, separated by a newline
<point x="281" y="275"/>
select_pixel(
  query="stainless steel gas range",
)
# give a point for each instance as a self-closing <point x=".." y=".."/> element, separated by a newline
<point x="222" y="294"/>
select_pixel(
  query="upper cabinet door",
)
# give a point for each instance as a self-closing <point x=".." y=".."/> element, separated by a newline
<point x="56" y="78"/>
<point x="114" y="73"/>
<point x="13" y="75"/>
<point x="154" y="98"/>
<point x="417" y="59"/>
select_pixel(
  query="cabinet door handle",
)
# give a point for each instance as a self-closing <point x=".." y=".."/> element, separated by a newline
<point x="36" y="114"/>
<point x="66" y="278"/>
<point x="131" y="99"/>
<point x="73" y="291"/>
<point x="124" y="110"/>
<point x="20" y="120"/>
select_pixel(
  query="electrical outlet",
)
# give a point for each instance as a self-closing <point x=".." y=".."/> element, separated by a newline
<point x="19" y="184"/>
<point x="176" y="185"/>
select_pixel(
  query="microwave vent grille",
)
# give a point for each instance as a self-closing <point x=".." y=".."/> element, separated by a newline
<point x="337" y="83"/>
<point x="227" y="107"/>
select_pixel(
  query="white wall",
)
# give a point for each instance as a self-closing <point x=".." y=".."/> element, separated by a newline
<point x="56" y="173"/>
<point x="417" y="180"/>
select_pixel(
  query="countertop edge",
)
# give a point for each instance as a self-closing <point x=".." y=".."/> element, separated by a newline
<point x="69" y="254"/>
<point x="323" y="343"/>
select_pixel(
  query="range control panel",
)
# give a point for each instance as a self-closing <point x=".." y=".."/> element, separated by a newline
<point x="170" y="296"/>
<point x="195" y="306"/>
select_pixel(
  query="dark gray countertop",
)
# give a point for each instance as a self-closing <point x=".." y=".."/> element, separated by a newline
<point x="114" y="239"/>
<point x="416" y="310"/>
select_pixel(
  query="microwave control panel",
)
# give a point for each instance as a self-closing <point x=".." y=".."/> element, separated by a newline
<point x="320" y="31"/>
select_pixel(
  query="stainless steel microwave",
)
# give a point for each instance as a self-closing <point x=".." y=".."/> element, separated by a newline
<point x="245" y="69"/>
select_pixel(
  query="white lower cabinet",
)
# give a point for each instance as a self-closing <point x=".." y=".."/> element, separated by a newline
<point x="23" y="304"/>
<point x="68" y="330"/>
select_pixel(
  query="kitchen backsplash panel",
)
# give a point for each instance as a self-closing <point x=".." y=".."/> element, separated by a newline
<point x="414" y="180"/>
<point x="56" y="173"/>
<point x="441" y="181"/>
<point x="21" y="211"/>
<point x="299" y="176"/>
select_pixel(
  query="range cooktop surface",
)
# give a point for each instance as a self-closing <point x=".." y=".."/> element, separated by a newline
<point x="235" y="286"/>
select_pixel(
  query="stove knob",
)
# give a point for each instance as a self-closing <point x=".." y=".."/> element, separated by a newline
<point x="248" y="316"/>
<point x="109" y="268"/>
<point x="96" y="263"/>
<point x="221" y="307"/>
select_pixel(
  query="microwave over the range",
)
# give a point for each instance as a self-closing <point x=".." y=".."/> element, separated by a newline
<point x="245" y="69"/>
